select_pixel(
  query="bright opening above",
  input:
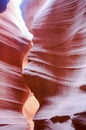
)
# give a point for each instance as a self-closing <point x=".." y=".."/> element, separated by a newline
<point x="18" y="2"/>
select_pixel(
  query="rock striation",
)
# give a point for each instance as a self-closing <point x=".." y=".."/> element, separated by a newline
<point x="15" y="41"/>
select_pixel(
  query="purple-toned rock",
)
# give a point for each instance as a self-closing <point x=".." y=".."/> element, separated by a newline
<point x="57" y="62"/>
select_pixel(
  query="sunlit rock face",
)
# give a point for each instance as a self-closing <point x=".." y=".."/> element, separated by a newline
<point x="30" y="8"/>
<point x="15" y="41"/>
<point x="56" y="71"/>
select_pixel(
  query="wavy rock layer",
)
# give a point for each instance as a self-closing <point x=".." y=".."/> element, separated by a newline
<point x="15" y="40"/>
<point x="57" y="61"/>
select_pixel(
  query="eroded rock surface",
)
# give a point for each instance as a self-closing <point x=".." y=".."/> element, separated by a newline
<point x="57" y="61"/>
<point x="15" y="41"/>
